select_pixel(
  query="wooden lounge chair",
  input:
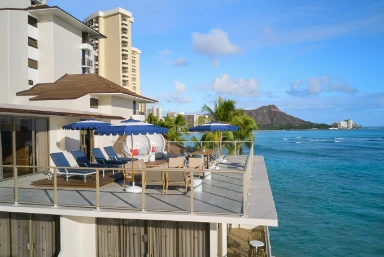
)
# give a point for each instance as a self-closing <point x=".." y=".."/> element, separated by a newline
<point x="196" y="163"/>
<point x="66" y="169"/>
<point x="151" y="177"/>
<point x="176" y="178"/>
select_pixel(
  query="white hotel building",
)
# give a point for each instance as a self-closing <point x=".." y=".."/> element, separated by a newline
<point x="46" y="81"/>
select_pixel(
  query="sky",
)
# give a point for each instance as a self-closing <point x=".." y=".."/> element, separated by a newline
<point x="321" y="61"/>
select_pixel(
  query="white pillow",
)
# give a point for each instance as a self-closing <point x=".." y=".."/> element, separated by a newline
<point x="143" y="151"/>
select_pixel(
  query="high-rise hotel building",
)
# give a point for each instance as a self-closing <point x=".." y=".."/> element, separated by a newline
<point x="116" y="58"/>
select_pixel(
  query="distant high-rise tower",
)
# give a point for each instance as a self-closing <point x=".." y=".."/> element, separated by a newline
<point x="116" y="59"/>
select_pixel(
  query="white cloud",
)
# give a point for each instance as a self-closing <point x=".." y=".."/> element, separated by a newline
<point x="180" y="62"/>
<point x="318" y="85"/>
<point x="177" y="94"/>
<point x="164" y="52"/>
<point x="214" y="44"/>
<point x="227" y="86"/>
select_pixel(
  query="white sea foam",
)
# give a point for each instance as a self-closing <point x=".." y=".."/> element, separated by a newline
<point x="338" y="138"/>
<point x="314" y="140"/>
<point x="336" y="141"/>
<point x="285" y="138"/>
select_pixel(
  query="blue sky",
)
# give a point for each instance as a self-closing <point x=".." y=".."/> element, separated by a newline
<point x="321" y="61"/>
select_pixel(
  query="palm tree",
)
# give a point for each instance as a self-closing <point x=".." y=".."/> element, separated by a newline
<point x="175" y="126"/>
<point x="223" y="111"/>
<point x="152" y="119"/>
<point x="246" y="126"/>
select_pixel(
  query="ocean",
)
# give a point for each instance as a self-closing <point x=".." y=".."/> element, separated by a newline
<point x="328" y="188"/>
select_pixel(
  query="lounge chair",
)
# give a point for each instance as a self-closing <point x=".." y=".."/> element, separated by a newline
<point x="60" y="161"/>
<point x="196" y="163"/>
<point x="83" y="161"/>
<point x="100" y="158"/>
<point x="151" y="177"/>
<point x="113" y="155"/>
<point x="176" y="178"/>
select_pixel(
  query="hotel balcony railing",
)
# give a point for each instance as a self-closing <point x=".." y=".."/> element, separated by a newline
<point x="15" y="191"/>
<point x="86" y="62"/>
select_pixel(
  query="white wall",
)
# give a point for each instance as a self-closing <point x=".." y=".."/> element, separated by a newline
<point x="59" y="49"/>
<point x="14" y="4"/>
<point x="63" y="140"/>
<point x="78" y="236"/>
<point x="13" y="53"/>
<point x="122" y="107"/>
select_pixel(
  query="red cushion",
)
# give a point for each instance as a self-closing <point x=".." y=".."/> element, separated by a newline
<point x="153" y="149"/>
<point x="135" y="152"/>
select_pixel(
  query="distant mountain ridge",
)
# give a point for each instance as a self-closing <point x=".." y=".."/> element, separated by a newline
<point x="270" y="114"/>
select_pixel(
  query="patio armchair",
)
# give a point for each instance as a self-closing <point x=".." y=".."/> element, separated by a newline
<point x="176" y="178"/>
<point x="113" y="155"/>
<point x="66" y="169"/>
<point x="151" y="177"/>
<point x="196" y="163"/>
<point x="83" y="161"/>
<point x="100" y="158"/>
<point x="130" y="173"/>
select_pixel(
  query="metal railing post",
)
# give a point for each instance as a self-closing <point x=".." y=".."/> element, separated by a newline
<point x="142" y="191"/>
<point x="192" y="192"/>
<point x="15" y="189"/>
<point x="55" y="187"/>
<point x="97" y="189"/>
<point x="245" y="195"/>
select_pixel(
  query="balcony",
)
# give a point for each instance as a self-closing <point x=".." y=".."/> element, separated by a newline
<point x="85" y="62"/>
<point x="86" y="46"/>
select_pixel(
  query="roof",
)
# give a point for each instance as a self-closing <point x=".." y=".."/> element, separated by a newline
<point x="43" y="9"/>
<point x="51" y="111"/>
<point x="73" y="86"/>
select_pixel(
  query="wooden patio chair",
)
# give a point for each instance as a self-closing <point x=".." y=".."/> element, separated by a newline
<point x="151" y="177"/>
<point x="130" y="173"/>
<point x="196" y="163"/>
<point x="176" y="178"/>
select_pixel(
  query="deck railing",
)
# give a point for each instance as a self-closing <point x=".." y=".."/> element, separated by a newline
<point x="93" y="196"/>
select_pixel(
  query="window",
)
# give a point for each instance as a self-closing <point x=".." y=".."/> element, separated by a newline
<point x="32" y="42"/>
<point x="32" y="64"/>
<point x="30" y="82"/>
<point x="94" y="103"/>
<point x="32" y="21"/>
<point x="133" y="70"/>
<point x="133" y="61"/>
<point x="133" y="78"/>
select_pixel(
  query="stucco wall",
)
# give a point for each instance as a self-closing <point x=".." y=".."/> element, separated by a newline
<point x="13" y="53"/>
<point x="78" y="236"/>
<point x="122" y="107"/>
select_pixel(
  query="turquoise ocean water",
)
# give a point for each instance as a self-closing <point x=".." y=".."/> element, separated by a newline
<point x="328" y="187"/>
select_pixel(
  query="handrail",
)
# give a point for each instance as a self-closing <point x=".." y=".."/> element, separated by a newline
<point x="97" y="205"/>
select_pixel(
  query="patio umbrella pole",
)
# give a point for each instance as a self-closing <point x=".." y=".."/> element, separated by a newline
<point x="132" y="149"/>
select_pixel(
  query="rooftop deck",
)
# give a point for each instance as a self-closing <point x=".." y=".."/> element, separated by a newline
<point x="221" y="199"/>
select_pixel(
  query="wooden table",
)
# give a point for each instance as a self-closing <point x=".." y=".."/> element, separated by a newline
<point x="156" y="163"/>
<point x="205" y="152"/>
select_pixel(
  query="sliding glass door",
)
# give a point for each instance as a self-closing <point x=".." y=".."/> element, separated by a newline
<point x="23" y="141"/>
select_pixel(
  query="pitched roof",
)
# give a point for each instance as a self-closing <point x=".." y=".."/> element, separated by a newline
<point x="73" y="86"/>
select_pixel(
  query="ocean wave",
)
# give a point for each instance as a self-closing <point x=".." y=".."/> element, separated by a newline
<point x="336" y="141"/>
<point x="297" y="142"/>
<point x="285" y="138"/>
<point x="314" y="140"/>
<point x="338" y="138"/>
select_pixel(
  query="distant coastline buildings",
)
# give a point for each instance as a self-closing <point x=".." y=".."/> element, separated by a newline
<point x="157" y="112"/>
<point x="345" y="124"/>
